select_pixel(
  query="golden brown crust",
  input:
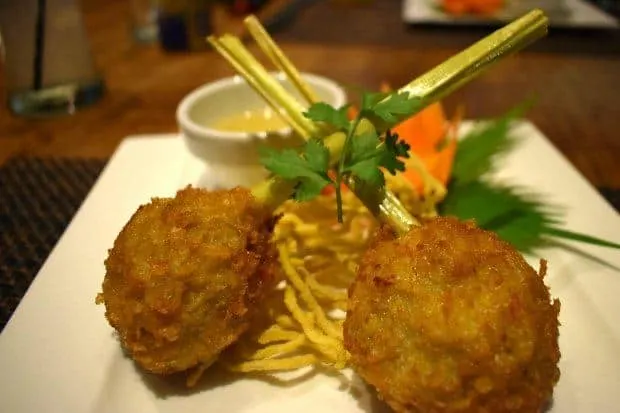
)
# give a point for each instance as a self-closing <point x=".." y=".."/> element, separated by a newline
<point x="184" y="275"/>
<point x="449" y="318"/>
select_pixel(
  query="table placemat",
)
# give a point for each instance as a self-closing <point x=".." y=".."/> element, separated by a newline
<point x="38" y="198"/>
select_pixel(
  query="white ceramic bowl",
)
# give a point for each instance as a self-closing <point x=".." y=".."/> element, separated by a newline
<point x="232" y="157"/>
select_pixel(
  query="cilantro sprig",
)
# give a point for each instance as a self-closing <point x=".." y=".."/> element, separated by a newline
<point x="309" y="168"/>
<point x="364" y="153"/>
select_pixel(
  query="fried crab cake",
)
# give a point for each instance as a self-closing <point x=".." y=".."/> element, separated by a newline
<point x="449" y="318"/>
<point x="184" y="275"/>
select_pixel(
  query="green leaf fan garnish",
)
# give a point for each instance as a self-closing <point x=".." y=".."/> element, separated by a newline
<point x="514" y="214"/>
<point x="518" y="216"/>
<point x="476" y="152"/>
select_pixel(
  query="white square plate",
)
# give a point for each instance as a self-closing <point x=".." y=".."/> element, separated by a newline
<point x="58" y="353"/>
<point x="578" y="14"/>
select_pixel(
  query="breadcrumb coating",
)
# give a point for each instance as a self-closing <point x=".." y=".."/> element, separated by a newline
<point x="449" y="318"/>
<point x="184" y="275"/>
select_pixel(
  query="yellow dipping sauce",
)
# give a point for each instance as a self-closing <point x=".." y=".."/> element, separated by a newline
<point x="254" y="120"/>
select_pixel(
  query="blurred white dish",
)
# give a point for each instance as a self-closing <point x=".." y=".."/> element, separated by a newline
<point x="575" y="14"/>
<point x="232" y="156"/>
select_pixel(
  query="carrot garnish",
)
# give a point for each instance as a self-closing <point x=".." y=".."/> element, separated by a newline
<point x="476" y="7"/>
<point x="424" y="131"/>
<point x="433" y="139"/>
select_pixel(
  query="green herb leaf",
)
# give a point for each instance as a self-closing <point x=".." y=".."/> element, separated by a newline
<point x="515" y="215"/>
<point x="322" y="112"/>
<point x="363" y="156"/>
<point x="370" y="100"/>
<point x="363" y="147"/>
<point x="368" y="155"/>
<point x="317" y="156"/>
<point x="309" y="168"/>
<point x="394" y="149"/>
<point x="369" y="172"/>
<point x="575" y="236"/>
<point x="519" y="217"/>
<point x="309" y="188"/>
<point x="476" y="152"/>
<point x="360" y="157"/>
<point x="394" y="108"/>
<point x="486" y="202"/>
<point x="522" y="218"/>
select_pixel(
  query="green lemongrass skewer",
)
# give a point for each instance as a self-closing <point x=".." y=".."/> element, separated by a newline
<point x="463" y="67"/>
<point x="277" y="56"/>
<point x="384" y="205"/>
<point x="446" y="77"/>
<point x="234" y="47"/>
<point x="452" y="74"/>
<point x="274" y="191"/>
<point x="263" y="84"/>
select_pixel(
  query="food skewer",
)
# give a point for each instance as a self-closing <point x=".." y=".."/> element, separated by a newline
<point x="447" y="317"/>
<point x="186" y="273"/>
<point x="277" y="56"/>
<point x="426" y="89"/>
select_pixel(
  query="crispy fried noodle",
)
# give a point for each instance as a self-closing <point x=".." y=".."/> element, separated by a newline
<point x="300" y="324"/>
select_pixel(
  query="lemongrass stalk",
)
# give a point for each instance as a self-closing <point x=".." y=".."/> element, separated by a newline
<point x="288" y="104"/>
<point x="440" y="82"/>
<point x="426" y="89"/>
<point x="384" y="205"/>
<point x="274" y="191"/>
<point x="262" y="84"/>
<point x="279" y="59"/>
<point x="472" y="62"/>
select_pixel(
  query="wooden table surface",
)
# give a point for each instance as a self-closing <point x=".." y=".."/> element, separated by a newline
<point x="574" y="75"/>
